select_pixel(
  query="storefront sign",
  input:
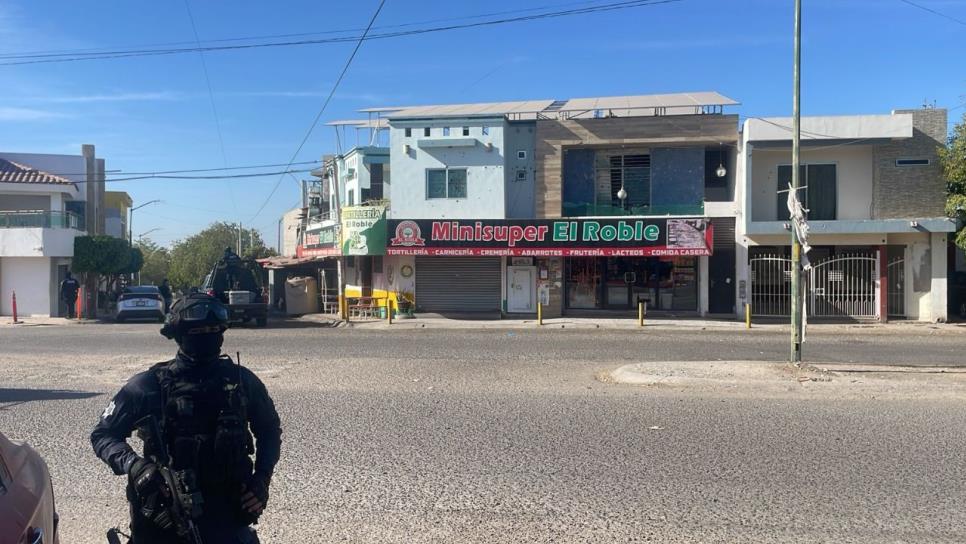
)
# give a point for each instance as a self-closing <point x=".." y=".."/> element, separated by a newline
<point x="320" y="242"/>
<point x="364" y="230"/>
<point x="624" y="237"/>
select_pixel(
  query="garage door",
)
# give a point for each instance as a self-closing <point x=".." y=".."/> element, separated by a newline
<point x="458" y="284"/>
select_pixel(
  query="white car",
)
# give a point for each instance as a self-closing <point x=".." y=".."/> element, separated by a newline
<point x="140" y="302"/>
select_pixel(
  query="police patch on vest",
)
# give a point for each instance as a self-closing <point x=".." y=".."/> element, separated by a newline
<point x="109" y="410"/>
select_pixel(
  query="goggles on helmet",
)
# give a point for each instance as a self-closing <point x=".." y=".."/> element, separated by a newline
<point x="200" y="310"/>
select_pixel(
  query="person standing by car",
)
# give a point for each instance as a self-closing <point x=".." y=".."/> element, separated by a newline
<point x="207" y="409"/>
<point x="165" y="289"/>
<point x="68" y="293"/>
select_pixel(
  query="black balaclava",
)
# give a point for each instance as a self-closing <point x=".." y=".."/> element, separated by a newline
<point x="200" y="348"/>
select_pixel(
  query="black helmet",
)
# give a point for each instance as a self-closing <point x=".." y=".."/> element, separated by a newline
<point x="197" y="313"/>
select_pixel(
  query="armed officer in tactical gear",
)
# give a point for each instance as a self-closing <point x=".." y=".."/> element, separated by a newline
<point x="203" y="409"/>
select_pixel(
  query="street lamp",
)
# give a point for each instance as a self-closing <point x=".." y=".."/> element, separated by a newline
<point x="130" y="223"/>
<point x="143" y="234"/>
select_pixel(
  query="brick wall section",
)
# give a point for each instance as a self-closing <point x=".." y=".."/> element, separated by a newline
<point x="552" y="136"/>
<point x="911" y="191"/>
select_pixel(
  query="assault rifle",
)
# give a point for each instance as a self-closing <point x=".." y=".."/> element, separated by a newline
<point x="185" y="497"/>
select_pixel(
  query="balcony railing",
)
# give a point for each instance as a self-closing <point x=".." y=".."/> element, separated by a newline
<point x="39" y="219"/>
<point x="598" y="210"/>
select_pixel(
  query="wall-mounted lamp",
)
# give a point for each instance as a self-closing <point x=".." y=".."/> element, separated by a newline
<point x="721" y="171"/>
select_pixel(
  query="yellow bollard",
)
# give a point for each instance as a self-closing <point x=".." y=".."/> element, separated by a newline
<point x="539" y="313"/>
<point x="640" y="313"/>
<point x="747" y="316"/>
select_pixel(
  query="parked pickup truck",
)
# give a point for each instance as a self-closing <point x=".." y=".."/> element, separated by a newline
<point x="238" y="283"/>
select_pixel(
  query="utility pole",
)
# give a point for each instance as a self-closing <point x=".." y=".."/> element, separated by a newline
<point x="796" y="295"/>
<point x="239" y="238"/>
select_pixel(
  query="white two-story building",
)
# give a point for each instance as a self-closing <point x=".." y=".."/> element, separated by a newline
<point x="875" y="196"/>
<point x="45" y="202"/>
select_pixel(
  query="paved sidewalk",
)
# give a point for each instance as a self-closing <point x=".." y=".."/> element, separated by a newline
<point x="656" y="323"/>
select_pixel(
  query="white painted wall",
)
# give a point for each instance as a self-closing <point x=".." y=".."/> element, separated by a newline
<point x="854" y="174"/>
<point x="30" y="278"/>
<point x="37" y="242"/>
<point x="831" y="127"/>
<point x="290" y="224"/>
<point x="938" y="293"/>
<point x="484" y="171"/>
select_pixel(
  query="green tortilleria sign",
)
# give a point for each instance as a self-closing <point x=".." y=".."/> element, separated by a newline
<point x="364" y="230"/>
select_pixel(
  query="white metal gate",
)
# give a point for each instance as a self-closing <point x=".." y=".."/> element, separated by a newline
<point x="770" y="280"/>
<point x="844" y="286"/>
<point x="841" y="286"/>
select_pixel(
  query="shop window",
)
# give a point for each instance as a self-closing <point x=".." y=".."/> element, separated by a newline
<point x="819" y="197"/>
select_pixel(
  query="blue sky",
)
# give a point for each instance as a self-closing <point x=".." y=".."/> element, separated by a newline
<point x="154" y="113"/>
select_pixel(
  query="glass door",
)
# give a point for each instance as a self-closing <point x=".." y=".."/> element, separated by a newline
<point x="583" y="283"/>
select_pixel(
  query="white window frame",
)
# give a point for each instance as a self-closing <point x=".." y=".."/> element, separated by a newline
<point x="446" y="172"/>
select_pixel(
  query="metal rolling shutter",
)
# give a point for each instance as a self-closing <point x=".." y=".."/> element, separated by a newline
<point x="724" y="233"/>
<point x="458" y="284"/>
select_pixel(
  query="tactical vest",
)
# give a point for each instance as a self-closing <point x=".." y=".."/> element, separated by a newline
<point x="205" y="426"/>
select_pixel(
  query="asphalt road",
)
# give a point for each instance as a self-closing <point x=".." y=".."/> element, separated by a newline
<point x="506" y="436"/>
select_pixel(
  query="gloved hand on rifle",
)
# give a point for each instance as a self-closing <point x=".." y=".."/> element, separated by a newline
<point x="152" y="491"/>
<point x="255" y="495"/>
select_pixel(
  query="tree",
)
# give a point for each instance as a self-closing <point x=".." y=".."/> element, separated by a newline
<point x="193" y="257"/>
<point x="103" y="257"/>
<point x="953" y="160"/>
<point x="157" y="262"/>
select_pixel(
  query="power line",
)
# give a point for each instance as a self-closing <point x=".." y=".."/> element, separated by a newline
<point x="211" y="99"/>
<point x="934" y="12"/>
<point x="94" y="50"/>
<point x="227" y="176"/>
<point x="191" y="170"/>
<point x="19" y="60"/>
<point x="322" y="110"/>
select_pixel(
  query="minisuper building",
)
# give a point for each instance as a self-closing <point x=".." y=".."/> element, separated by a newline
<point x="581" y="205"/>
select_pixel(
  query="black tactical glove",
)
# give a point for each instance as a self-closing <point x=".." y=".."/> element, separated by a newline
<point x="152" y="492"/>
<point x="255" y="496"/>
